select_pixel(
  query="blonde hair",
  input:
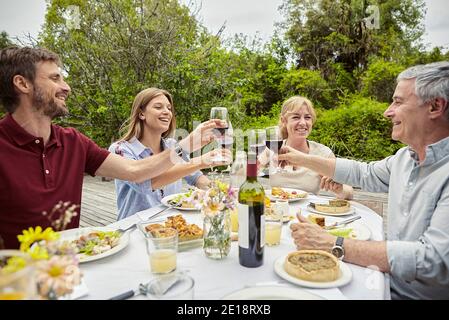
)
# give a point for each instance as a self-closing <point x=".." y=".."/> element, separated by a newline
<point x="291" y="105"/>
<point x="133" y="126"/>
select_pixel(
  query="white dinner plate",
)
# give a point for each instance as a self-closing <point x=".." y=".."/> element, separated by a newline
<point x="73" y="234"/>
<point x="311" y="209"/>
<point x="345" y="276"/>
<point x="298" y="191"/>
<point x="359" y="231"/>
<point x="165" y="202"/>
<point x="271" y="293"/>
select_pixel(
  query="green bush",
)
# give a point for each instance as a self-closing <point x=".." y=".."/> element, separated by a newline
<point x="307" y="83"/>
<point x="357" y="130"/>
<point x="379" y="80"/>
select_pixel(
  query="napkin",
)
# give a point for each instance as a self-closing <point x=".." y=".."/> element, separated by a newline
<point x="79" y="291"/>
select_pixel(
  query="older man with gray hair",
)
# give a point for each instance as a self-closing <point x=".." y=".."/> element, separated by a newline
<point x="416" y="251"/>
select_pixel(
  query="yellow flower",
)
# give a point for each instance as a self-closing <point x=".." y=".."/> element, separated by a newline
<point x="38" y="253"/>
<point x="222" y="186"/>
<point x="13" y="264"/>
<point x="31" y="236"/>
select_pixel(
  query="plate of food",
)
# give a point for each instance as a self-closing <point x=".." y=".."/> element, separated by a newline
<point x="334" y="207"/>
<point x="313" y="269"/>
<point x="286" y="216"/>
<point x="186" y="201"/>
<point x="189" y="234"/>
<point x="289" y="194"/>
<point x="94" y="243"/>
<point x="271" y="293"/>
<point x="352" y="230"/>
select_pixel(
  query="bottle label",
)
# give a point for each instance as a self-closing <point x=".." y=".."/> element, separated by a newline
<point x="243" y="211"/>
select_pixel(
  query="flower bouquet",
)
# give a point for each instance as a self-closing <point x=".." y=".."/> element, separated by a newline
<point x="44" y="262"/>
<point x="216" y="206"/>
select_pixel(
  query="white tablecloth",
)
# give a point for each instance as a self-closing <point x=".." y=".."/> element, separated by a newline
<point x="216" y="278"/>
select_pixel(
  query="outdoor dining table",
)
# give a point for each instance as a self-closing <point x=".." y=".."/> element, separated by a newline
<point x="214" y="279"/>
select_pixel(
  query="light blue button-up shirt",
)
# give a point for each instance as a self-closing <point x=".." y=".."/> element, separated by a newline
<point x="418" y="216"/>
<point x="134" y="197"/>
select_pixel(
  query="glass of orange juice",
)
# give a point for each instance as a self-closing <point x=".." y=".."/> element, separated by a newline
<point x="16" y="276"/>
<point x="162" y="248"/>
<point x="273" y="226"/>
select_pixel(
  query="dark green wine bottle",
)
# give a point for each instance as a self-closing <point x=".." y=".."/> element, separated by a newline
<point x="251" y="208"/>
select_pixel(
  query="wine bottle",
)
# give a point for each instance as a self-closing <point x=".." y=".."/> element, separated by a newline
<point x="251" y="217"/>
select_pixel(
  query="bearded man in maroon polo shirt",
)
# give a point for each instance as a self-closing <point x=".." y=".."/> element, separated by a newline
<point x="42" y="163"/>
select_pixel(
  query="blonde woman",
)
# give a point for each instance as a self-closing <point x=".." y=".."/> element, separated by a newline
<point x="296" y="122"/>
<point x="148" y="131"/>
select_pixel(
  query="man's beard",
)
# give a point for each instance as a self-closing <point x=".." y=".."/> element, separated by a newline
<point x="47" y="104"/>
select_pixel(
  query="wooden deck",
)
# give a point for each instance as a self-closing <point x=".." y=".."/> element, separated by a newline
<point x="99" y="208"/>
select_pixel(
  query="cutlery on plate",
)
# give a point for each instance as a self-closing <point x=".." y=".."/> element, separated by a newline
<point x="163" y="210"/>
<point x="143" y="289"/>
<point x="341" y="223"/>
<point x="159" y="288"/>
<point x="123" y="230"/>
<point x="131" y="227"/>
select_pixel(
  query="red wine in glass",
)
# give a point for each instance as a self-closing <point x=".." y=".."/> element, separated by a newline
<point x="226" y="142"/>
<point x="222" y="130"/>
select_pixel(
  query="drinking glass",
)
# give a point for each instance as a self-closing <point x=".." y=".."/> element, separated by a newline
<point x="256" y="142"/>
<point x="225" y="134"/>
<point x="274" y="142"/>
<point x="162" y="247"/>
<point x="273" y="226"/>
<point x="20" y="284"/>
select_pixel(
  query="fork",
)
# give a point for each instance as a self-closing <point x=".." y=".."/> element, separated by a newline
<point x="165" y="209"/>
<point x="123" y="230"/>
<point x="341" y="223"/>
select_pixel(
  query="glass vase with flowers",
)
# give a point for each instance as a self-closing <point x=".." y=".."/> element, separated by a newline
<point x="216" y="207"/>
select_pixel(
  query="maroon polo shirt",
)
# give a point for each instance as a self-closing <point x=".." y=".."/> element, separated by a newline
<point x="34" y="177"/>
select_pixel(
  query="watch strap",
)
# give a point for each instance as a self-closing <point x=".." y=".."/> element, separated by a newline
<point x="339" y="241"/>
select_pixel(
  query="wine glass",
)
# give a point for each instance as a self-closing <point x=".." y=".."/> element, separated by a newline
<point x="256" y="141"/>
<point x="274" y="142"/>
<point x="224" y="134"/>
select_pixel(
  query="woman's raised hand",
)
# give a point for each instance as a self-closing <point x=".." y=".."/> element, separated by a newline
<point x="202" y="135"/>
<point x="207" y="159"/>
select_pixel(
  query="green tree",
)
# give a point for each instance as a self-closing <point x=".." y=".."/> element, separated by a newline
<point x="356" y="129"/>
<point x="309" y="84"/>
<point x="328" y="31"/>
<point x="117" y="48"/>
<point x="256" y="71"/>
<point x="5" y="41"/>
<point x="379" y="80"/>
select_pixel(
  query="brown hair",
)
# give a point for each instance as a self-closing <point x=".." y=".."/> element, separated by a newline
<point x="19" y="61"/>
<point x="291" y="105"/>
<point x="133" y="126"/>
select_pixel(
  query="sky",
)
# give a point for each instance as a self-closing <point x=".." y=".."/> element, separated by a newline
<point x="20" y="17"/>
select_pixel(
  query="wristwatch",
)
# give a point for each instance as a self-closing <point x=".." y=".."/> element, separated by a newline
<point x="338" y="250"/>
<point x="178" y="150"/>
